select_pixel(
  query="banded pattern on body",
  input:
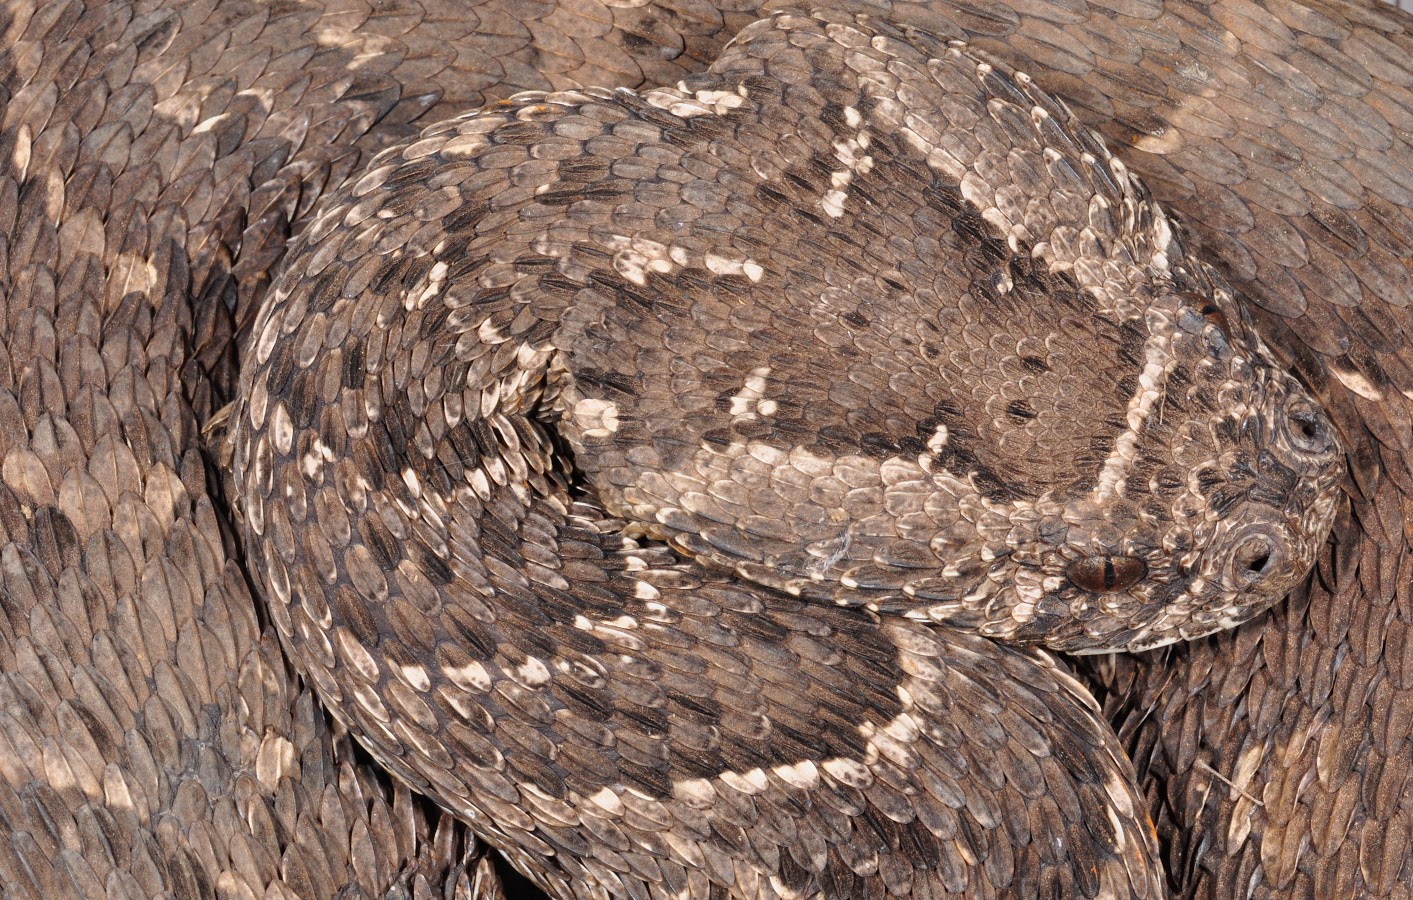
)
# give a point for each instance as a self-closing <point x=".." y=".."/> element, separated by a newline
<point x="1274" y="128"/>
<point x="154" y="740"/>
<point x="624" y="722"/>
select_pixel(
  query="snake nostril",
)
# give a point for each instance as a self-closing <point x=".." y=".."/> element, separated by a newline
<point x="1306" y="426"/>
<point x="1103" y="574"/>
<point x="1257" y="564"/>
<point x="1252" y="560"/>
<point x="1308" y="429"/>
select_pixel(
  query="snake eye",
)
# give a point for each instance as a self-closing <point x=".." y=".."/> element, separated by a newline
<point x="1106" y="574"/>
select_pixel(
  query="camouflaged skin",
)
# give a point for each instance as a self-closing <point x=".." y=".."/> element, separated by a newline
<point x="153" y="740"/>
<point x="617" y="720"/>
<point x="1278" y="131"/>
<point x="1276" y="757"/>
<point x="1016" y="369"/>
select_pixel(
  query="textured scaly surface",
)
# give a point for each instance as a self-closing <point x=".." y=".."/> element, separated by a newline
<point x="1278" y="130"/>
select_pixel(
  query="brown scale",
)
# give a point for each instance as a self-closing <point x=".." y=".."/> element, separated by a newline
<point x="1302" y="223"/>
<point x="618" y="719"/>
<point x="874" y="402"/>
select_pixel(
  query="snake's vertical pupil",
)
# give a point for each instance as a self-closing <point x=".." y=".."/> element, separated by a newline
<point x="1104" y="574"/>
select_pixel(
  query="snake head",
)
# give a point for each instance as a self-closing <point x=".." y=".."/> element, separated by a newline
<point x="1210" y="505"/>
<point x="910" y="337"/>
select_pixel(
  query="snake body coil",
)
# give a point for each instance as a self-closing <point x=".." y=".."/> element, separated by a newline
<point x="854" y="319"/>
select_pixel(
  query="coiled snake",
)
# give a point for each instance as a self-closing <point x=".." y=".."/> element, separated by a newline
<point x="618" y="719"/>
<point x="661" y="277"/>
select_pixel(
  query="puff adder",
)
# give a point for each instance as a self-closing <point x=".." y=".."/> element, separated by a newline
<point x="141" y="692"/>
<point x="780" y="305"/>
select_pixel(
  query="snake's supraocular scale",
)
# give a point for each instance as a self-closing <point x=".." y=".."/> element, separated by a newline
<point x="853" y="316"/>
